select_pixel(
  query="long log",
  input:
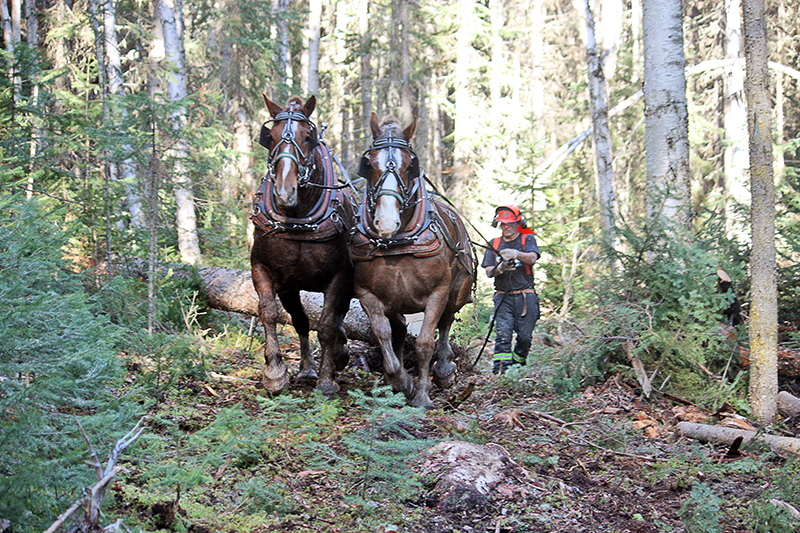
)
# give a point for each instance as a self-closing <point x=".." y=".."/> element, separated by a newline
<point x="725" y="435"/>
<point x="228" y="289"/>
<point x="788" y="404"/>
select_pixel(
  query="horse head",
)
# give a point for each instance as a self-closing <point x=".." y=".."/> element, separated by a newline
<point x="290" y="140"/>
<point x="391" y="168"/>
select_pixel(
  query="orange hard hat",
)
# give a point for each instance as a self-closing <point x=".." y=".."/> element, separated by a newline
<point x="507" y="214"/>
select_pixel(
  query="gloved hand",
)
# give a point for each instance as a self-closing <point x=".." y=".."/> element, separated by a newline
<point x="504" y="266"/>
<point x="509" y="254"/>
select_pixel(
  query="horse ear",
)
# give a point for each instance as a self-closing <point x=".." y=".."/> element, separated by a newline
<point x="310" y="105"/>
<point x="374" y="126"/>
<point x="410" y="130"/>
<point x="273" y="108"/>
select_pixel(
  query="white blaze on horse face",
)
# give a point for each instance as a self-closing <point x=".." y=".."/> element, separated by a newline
<point x="285" y="182"/>
<point x="387" y="211"/>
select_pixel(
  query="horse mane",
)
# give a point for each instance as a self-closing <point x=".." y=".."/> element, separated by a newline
<point x="296" y="99"/>
<point x="391" y="128"/>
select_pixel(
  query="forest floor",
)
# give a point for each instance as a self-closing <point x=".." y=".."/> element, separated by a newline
<point x="603" y="460"/>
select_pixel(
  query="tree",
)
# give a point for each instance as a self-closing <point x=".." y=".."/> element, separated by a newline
<point x="763" y="326"/>
<point x="170" y="13"/>
<point x="601" y="135"/>
<point x="735" y="122"/>
<point x="666" y="114"/>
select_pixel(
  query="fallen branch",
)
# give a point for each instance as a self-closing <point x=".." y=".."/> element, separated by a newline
<point x="94" y="496"/>
<point x="725" y="435"/>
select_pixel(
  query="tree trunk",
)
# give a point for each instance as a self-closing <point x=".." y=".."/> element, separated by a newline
<point x="463" y="107"/>
<point x="666" y="114"/>
<point x="726" y="435"/>
<point x="365" y="75"/>
<point x="232" y="290"/>
<point x="763" y="325"/>
<point x="735" y="122"/>
<point x="406" y="100"/>
<point x="280" y="8"/>
<point x="601" y="135"/>
<point x="126" y="170"/>
<point x="314" y="23"/>
<point x="788" y="404"/>
<point x="611" y="19"/>
<point x="171" y="15"/>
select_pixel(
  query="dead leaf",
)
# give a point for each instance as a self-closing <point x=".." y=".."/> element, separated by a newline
<point x="510" y="418"/>
<point x="689" y="413"/>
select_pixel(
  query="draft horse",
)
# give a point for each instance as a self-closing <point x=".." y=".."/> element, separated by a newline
<point x="302" y="217"/>
<point x="411" y="254"/>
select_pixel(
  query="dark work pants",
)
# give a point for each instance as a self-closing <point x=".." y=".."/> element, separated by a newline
<point x="514" y="313"/>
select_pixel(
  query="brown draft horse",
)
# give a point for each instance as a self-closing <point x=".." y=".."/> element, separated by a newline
<point x="411" y="254"/>
<point x="301" y="218"/>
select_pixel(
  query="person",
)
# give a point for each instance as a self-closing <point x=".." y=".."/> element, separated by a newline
<point x="510" y="262"/>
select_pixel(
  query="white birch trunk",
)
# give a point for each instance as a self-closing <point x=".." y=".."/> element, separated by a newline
<point x="366" y="65"/>
<point x="611" y="17"/>
<point x="279" y="8"/>
<point x="406" y="103"/>
<point x="601" y="135"/>
<point x="186" y="220"/>
<point x="463" y="106"/>
<point x="314" y="24"/>
<point x="32" y="33"/>
<point x="666" y="115"/>
<point x="127" y="168"/>
<point x="735" y="156"/>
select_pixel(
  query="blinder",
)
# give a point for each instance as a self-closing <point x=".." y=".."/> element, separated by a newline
<point x="364" y="168"/>
<point x="265" y="137"/>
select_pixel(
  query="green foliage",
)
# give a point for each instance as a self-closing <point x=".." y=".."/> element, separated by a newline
<point x="700" y="512"/>
<point x="162" y="360"/>
<point x="378" y="454"/>
<point x="57" y="368"/>
<point x="661" y="303"/>
<point x="788" y="245"/>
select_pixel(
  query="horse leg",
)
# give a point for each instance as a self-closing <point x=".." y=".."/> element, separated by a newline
<point x="444" y="369"/>
<point x="399" y="332"/>
<point x="424" y="346"/>
<point x="332" y="339"/>
<point x="396" y="374"/>
<point x="275" y="376"/>
<point x="291" y="302"/>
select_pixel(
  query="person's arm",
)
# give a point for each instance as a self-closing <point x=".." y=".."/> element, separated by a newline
<point x="500" y="268"/>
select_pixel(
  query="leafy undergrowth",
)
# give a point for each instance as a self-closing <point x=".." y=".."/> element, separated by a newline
<point x="220" y="455"/>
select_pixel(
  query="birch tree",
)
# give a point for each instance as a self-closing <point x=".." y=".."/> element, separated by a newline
<point x="666" y="114"/>
<point x="735" y="123"/>
<point x="126" y="169"/>
<point x="314" y="24"/>
<point x="601" y="135"/>
<point x="171" y="17"/>
<point x="763" y="326"/>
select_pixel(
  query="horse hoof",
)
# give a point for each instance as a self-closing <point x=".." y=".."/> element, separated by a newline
<point x="308" y="373"/>
<point x="275" y="379"/>
<point x="444" y="375"/>
<point x="329" y="389"/>
<point x="422" y="401"/>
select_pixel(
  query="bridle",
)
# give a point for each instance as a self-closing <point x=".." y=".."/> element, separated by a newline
<point x="405" y="193"/>
<point x="305" y="167"/>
